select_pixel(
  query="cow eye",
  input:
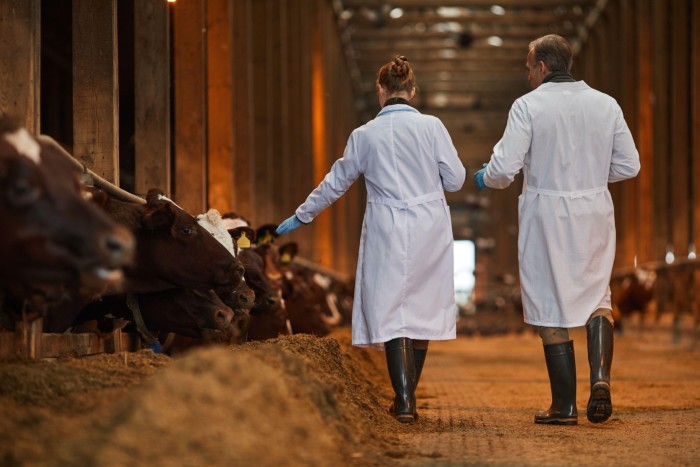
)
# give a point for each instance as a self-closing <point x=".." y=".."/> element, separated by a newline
<point x="23" y="193"/>
<point x="186" y="230"/>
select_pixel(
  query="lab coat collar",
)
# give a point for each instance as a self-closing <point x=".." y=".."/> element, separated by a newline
<point x="396" y="108"/>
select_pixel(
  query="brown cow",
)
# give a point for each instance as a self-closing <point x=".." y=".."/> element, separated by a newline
<point x="269" y="317"/>
<point x="52" y="241"/>
<point x="311" y="304"/>
<point x="635" y="294"/>
<point x="187" y="312"/>
<point x="173" y="250"/>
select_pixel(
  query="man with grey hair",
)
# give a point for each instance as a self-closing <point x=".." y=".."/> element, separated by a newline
<point x="570" y="141"/>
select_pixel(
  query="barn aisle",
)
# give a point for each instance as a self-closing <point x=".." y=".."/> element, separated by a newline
<point x="479" y="395"/>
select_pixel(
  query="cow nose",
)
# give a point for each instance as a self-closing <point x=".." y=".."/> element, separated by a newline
<point x="118" y="246"/>
<point x="223" y="317"/>
<point x="271" y="299"/>
<point x="243" y="298"/>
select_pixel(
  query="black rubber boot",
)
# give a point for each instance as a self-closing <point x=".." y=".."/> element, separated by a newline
<point x="600" y="354"/>
<point x="402" y="371"/>
<point x="561" y="366"/>
<point x="419" y="359"/>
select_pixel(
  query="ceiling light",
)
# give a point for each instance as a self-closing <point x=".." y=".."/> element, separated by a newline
<point x="447" y="53"/>
<point x="449" y="12"/>
<point x="346" y="15"/>
<point x="498" y="10"/>
<point x="495" y="41"/>
<point x="439" y="100"/>
<point x="451" y="26"/>
<point x="396" y="13"/>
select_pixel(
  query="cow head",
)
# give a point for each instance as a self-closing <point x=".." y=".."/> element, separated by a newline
<point x="52" y="239"/>
<point x="187" y="312"/>
<point x="173" y="250"/>
<point x="269" y="315"/>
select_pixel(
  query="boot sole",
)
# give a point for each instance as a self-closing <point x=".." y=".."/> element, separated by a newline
<point x="557" y="421"/>
<point x="599" y="405"/>
<point x="405" y="418"/>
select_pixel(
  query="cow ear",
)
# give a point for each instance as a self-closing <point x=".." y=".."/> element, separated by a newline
<point x="158" y="216"/>
<point x="266" y="234"/>
<point x="288" y="251"/>
<point x="243" y="236"/>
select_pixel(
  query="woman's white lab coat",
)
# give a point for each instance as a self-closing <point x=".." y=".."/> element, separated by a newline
<point x="404" y="284"/>
<point x="570" y="141"/>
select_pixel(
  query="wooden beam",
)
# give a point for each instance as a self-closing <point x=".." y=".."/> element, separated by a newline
<point x="96" y="87"/>
<point x="20" y="33"/>
<point x="190" y="103"/>
<point x="152" y="95"/>
<point x="471" y="3"/>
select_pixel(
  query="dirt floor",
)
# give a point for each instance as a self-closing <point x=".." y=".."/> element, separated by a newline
<point x="303" y="400"/>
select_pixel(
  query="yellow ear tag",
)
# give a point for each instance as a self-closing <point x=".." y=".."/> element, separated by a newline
<point x="268" y="238"/>
<point x="286" y="258"/>
<point x="243" y="241"/>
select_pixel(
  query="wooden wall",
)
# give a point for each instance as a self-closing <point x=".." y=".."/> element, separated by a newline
<point x="237" y="105"/>
<point x="645" y="54"/>
<point x="277" y="110"/>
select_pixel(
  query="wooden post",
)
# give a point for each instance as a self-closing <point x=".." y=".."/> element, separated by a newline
<point x="644" y="136"/>
<point x="20" y="56"/>
<point x="28" y="339"/>
<point x="190" y="105"/>
<point x="660" y="80"/>
<point x="323" y="226"/>
<point x="243" y="153"/>
<point x="152" y="95"/>
<point x="96" y="87"/>
<point x="680" y="118"/>
<point x="219" y="107"/>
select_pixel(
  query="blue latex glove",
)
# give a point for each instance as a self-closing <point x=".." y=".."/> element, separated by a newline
<point x="289" y="225"/>
<point x="479" y="177"/>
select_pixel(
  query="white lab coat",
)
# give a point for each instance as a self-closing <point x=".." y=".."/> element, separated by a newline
<point x="404" y="285"/>
<point x="570" y="141"/>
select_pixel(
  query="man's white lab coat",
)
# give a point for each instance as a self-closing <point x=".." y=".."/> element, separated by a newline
<point x="570" y="141"/>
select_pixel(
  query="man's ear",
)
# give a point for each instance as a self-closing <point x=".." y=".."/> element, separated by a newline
<point x="412" y="93"/>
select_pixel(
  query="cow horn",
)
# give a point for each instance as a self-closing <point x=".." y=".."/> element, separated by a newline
<point x="98" y="181"/>
<point x="334" y="319"/>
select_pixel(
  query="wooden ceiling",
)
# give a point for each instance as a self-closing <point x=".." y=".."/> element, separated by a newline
<point x="468" y="56"/>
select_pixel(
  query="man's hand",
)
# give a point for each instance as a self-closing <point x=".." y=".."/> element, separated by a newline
<point x="479" y="177"/>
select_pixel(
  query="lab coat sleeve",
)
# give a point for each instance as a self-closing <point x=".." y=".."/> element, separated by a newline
<point x="342" y="175"/>
<point x="509" y="153"/>
<point x="625" y="158"/>
<point x="452" y="172"/>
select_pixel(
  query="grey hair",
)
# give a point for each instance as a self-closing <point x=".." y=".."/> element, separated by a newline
<point x="554" y="51"/>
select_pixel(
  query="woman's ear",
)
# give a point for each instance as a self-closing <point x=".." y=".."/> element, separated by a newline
<point x="412" y="93"/>
<point x="381" y="95"/>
